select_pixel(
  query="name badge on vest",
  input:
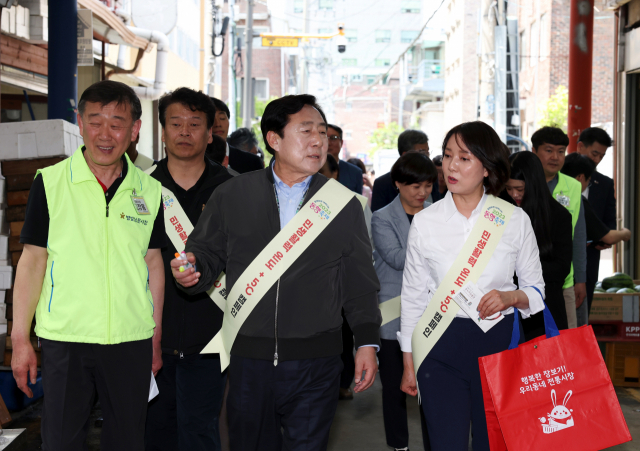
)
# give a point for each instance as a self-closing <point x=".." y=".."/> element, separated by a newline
<point x="139" y="204"/>
<point x="563" y="200"/>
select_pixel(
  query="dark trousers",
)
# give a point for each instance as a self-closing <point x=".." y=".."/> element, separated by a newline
<point x="394" y="400"/>
<point x="449" y="384"/>
<point x="71" y="374"/>
<point x="184" y="416"/>
<point x="348" y="373"/>
<point x="593" y="268"/>
<point x="285" y="407"/>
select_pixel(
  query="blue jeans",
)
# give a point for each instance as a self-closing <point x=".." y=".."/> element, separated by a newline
<point x="184" y="416"/>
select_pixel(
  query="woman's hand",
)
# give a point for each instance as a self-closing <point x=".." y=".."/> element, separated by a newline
<point x="408" y="384"/>
<point x="496" y="301"/>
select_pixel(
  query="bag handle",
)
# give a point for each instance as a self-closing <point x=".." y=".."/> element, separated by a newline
<point x="550" y="328"/>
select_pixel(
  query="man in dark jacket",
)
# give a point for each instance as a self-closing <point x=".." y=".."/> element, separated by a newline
<point x="239" y="160"/>
<point x="384" y="190"/>
<point x="184" y="416"/>
<point x="285" y="359"/>
<point x="349" y="175"/>
<point x="601" y="193"/>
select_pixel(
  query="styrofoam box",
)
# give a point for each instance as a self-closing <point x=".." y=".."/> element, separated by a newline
<point x="36" y="7"/>
<point x="3" y="314"/>
<point x="4" y="247"/>
<point x="39" y="29"/>
<point x="36" y="139"/>
<point x="2" y="190"/>
<point x="4" y="226"/>
<point x="5" y="277"/>
<point x="3" y="295"/>
<point x="3" y="328"/>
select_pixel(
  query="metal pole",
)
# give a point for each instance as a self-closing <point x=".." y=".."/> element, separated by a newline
<point x="247" y="112"/>
<point x="63" y="61"/>
<point x="580" y="71"/>
<point x="231" y="48"/>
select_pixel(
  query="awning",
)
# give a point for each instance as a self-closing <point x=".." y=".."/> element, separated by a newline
<point x="109" y="28"/>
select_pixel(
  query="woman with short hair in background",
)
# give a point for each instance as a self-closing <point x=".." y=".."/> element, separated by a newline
<point x="413" y="175"/>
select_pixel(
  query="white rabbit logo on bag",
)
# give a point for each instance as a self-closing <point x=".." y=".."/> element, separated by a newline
<point x="560" y="417"/>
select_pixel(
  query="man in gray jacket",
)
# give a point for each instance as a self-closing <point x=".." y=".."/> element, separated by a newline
<point x="285" y="359"/>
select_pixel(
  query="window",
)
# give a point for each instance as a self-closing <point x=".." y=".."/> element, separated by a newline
<point x="381" y="62"/>
<point x="351" y="35"/>
<point x="371" y="79"/>
<point x="356" y="77"/>
<point x="523" y="48"/>
<point x="407" y="36"/>
<point x="535" y="44"/>
<point x="326" y="31"/>
<point x="298" y="6"/>
<point x="544" y="36"/>
<point x="261" y="89"/>
<point x="325" y="4"/>
<point x="349" y="61"/>
<point x="410" y="6"/>
<point x="383" y="35"/>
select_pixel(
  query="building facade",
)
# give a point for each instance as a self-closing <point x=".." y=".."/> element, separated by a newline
<point x="544" y="60"/>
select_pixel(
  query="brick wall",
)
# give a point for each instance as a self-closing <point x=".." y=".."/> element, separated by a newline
<point x="554" y="70"/>
<point x="360" y="114"/>
<point x="265" y="63"/>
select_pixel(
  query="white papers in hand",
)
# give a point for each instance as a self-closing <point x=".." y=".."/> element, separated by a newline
<point x="468" y="299"/>
<point x="153" y="388"/>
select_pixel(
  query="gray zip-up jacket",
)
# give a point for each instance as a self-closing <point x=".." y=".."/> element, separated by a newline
<point x="304" y="319"/>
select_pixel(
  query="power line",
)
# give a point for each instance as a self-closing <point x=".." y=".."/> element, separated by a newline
<point x="413" y="43"/>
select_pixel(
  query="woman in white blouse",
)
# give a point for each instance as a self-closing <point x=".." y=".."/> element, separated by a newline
<point x="475" y="164"/>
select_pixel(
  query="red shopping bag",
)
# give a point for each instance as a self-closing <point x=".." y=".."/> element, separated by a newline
<point x="552" y="392"/>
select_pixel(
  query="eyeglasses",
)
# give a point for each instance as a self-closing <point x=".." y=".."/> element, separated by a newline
<point x="334" y="137"/>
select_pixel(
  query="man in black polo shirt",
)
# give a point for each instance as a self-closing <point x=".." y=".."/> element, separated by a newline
<point x="184" y="416"/>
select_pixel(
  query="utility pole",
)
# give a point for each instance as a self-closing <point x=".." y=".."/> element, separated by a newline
<point x="232" y="72"/>
<point x="247" y="112"/>
<point x="63" y="61"/>
<point x="580" y="71"/>
<point x="304" y="73"/>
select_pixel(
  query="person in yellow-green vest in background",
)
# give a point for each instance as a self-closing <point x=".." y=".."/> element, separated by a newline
<point x="92" y="273"/>
<point x="550" y="145"/>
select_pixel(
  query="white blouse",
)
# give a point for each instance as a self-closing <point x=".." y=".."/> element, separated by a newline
<point x="436" y="238"/>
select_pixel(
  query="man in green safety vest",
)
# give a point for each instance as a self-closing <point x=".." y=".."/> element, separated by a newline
<point x="92" y="273"/>
<point x="550" y="145"/>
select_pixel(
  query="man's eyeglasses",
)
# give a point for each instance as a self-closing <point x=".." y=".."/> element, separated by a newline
<point x="334" y="137"/>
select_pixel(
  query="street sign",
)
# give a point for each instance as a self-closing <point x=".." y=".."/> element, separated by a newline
<point x="279" y="42"/>
<point x="85" y="37"/>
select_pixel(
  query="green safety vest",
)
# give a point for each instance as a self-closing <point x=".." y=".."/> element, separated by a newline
<point x="96" y="285"/>
<point x="568" y="192"/>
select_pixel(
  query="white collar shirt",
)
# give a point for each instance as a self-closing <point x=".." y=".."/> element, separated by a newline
<point x="437" y="236"/>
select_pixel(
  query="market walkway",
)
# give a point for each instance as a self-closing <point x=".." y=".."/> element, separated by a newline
<point x="358" y="424"/>
<point x="357" y="427"/>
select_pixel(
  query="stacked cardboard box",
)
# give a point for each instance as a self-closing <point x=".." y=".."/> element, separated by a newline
<point x="18" y="175"/>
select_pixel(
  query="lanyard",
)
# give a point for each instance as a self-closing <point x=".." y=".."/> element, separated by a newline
<point x="275" y="190"/>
